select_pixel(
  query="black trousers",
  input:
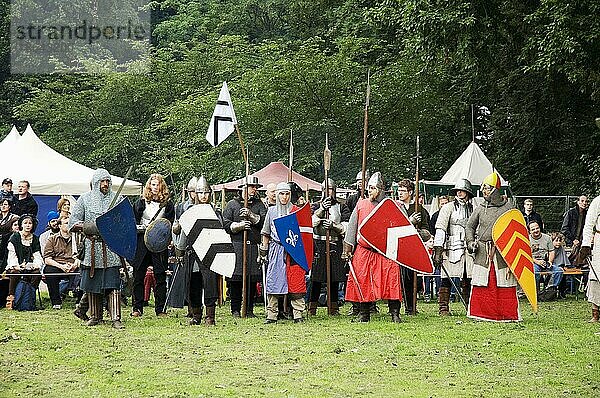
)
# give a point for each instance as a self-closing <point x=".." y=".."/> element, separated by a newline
<point x="315" y="291"/>
<point x="159" y="262"/>
<point x="235" y="294"/>
<point x="204" y="281"/>
<point x="53" y="283"/>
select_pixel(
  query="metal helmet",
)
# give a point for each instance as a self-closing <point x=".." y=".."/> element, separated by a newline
<point x="191" y="185"/>
<point x="202" y="186"/>
<point x="493" y="180"/>
<point x="251" y="180"/>
<point x="283" y="187"/>
<point x="462" y="185"/>
<point x="330" y="183"/>
<point x="359" y="175"/>
<point x="376" y="180"/>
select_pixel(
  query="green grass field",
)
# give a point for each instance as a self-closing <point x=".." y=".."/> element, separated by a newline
<point x="555" y="354"/>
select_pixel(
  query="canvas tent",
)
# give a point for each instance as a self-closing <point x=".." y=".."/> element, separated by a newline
<point x="472" y="164"/>
<point x="274" y="172"/>
<point x="26" y="157"/>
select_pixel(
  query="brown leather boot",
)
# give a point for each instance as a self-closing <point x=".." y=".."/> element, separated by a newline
<point x="196" y="315"/>
<point x="444" y="301"/>
<point x="312" y="308"/>
<point x="394" y="307"/>
<point x="364" y="314"/>
<point x="209" y="319"/>
<point x="595" y="315"/>
<point x="335" y="310"/>
<point x="466" y="289"/>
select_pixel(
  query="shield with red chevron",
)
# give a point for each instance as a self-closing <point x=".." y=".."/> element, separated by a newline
<point x="512" y="240"/>
<point x="388" y="231"/>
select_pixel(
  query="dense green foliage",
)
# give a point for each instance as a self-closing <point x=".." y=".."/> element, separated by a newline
<point x="531" y="69"/>
<point x="554" y="354"/>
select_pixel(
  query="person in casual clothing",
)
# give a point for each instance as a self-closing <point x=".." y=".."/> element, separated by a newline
<point x="542" y="250"/>
<point x="236" y="220"/>
<point x="59" y="258"/>
<point x="531" y="215"/>
<point x="7" y="192"/>
<point x="7" y="220"/>
<point x="154" y="203"/>
<point x="24" y="256"/>
<point x="52" y="227"/>
<point x="591" y="234"/>
<point x="494" y="291"/>
<point x="24" y="203"/>
<point x="572" y="226"/>
<point x="63" y="206"/>
<point x="283" y="275"/>
<point x="561" y="260"/>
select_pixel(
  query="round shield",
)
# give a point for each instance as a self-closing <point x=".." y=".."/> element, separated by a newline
<point x="158" y="235"/>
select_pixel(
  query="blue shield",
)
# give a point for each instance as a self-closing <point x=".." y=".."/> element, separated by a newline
<point x="296" y="236"/>
<point x="117" y="228"/>
<point x="158" y="235"/>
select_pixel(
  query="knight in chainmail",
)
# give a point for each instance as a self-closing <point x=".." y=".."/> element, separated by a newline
<point x="449" y="244"/>
<point x="329" y="214"/>
<point x="494" y="291"/>
<point x="100" y="267"/>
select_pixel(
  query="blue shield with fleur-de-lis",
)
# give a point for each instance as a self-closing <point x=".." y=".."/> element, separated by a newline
<point x="295" y="232"/>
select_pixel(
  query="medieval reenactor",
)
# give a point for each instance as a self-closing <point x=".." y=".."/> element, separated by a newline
<point x="338" y="213"/>
<point x="203" y="283"/>
<point x="591" y="233"/>
<point x="449" y="244"/>
<point x="353" y="199"/>
<point x="283" y="276"/>
<point x="100" y="268"/>
<point x="494" y="291"/>
<point x="154" y="204"/>
<point x="420" y="220"/>
<point x="372" y="276"/>
<point x="236" y="219"/>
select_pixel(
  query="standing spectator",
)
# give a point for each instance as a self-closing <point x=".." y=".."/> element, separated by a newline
<point x="24" y="202"/>
<point x="543" y="253"/>
<point x="6" y="230"/>
<point x="63" y="207"/>
<point x="59" y="258"/>
<point x="154" y="203"/>
<point x="531" y="215"/>
<point x="572" y="226"/>
<point x="24" y="256"/>
<point x="7" y="192"/>
<point x="591" y="232"/>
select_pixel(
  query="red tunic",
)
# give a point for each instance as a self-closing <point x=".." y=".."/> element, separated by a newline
<point x="372" y="276"/>
<point x="493" y="303"/>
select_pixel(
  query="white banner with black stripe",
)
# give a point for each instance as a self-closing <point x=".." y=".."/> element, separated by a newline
<point x="223" y="121"/>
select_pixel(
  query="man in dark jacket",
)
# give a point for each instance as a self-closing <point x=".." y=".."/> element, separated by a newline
<point x="573" y="222"/>
<point x="24" y="202"/>
<point x="7" y="192"/>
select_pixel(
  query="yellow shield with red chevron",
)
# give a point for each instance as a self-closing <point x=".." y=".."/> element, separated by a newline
<point x="512" y="240"/>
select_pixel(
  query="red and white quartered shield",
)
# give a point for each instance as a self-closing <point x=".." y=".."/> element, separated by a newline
<point x="389" y="231"/>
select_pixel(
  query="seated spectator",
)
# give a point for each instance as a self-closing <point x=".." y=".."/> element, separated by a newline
<point x="531" y="215"/>
<point x="64" y="207"/>
<point x="7" y="192"/>
<point x="51" y="228"/>
<point x="24" y="203"/>
<point x="543" y="252"/>
<point x="561" y="259"/>
<point x="6" y="220"/>
<point x="59" y="259"/>
<point x="24" y="256"/>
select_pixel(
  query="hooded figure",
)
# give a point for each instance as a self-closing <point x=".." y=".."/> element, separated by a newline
<point x="283" y="276"/>
<point x="100" y="267"/>
<point x="494" y="292"/>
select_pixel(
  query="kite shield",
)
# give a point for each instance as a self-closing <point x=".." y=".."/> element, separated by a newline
<point x="117" y="228"/>
<point x="512" y="240"/>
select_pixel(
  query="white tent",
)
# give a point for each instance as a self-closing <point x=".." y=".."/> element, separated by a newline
<point x="472" y="164"/>
<point x="26" y="157"/>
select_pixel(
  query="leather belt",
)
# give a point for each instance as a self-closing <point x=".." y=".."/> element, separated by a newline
<point x="321" y="237"/>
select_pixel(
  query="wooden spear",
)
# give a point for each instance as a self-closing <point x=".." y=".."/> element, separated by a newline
<point x="326" y="166"/>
